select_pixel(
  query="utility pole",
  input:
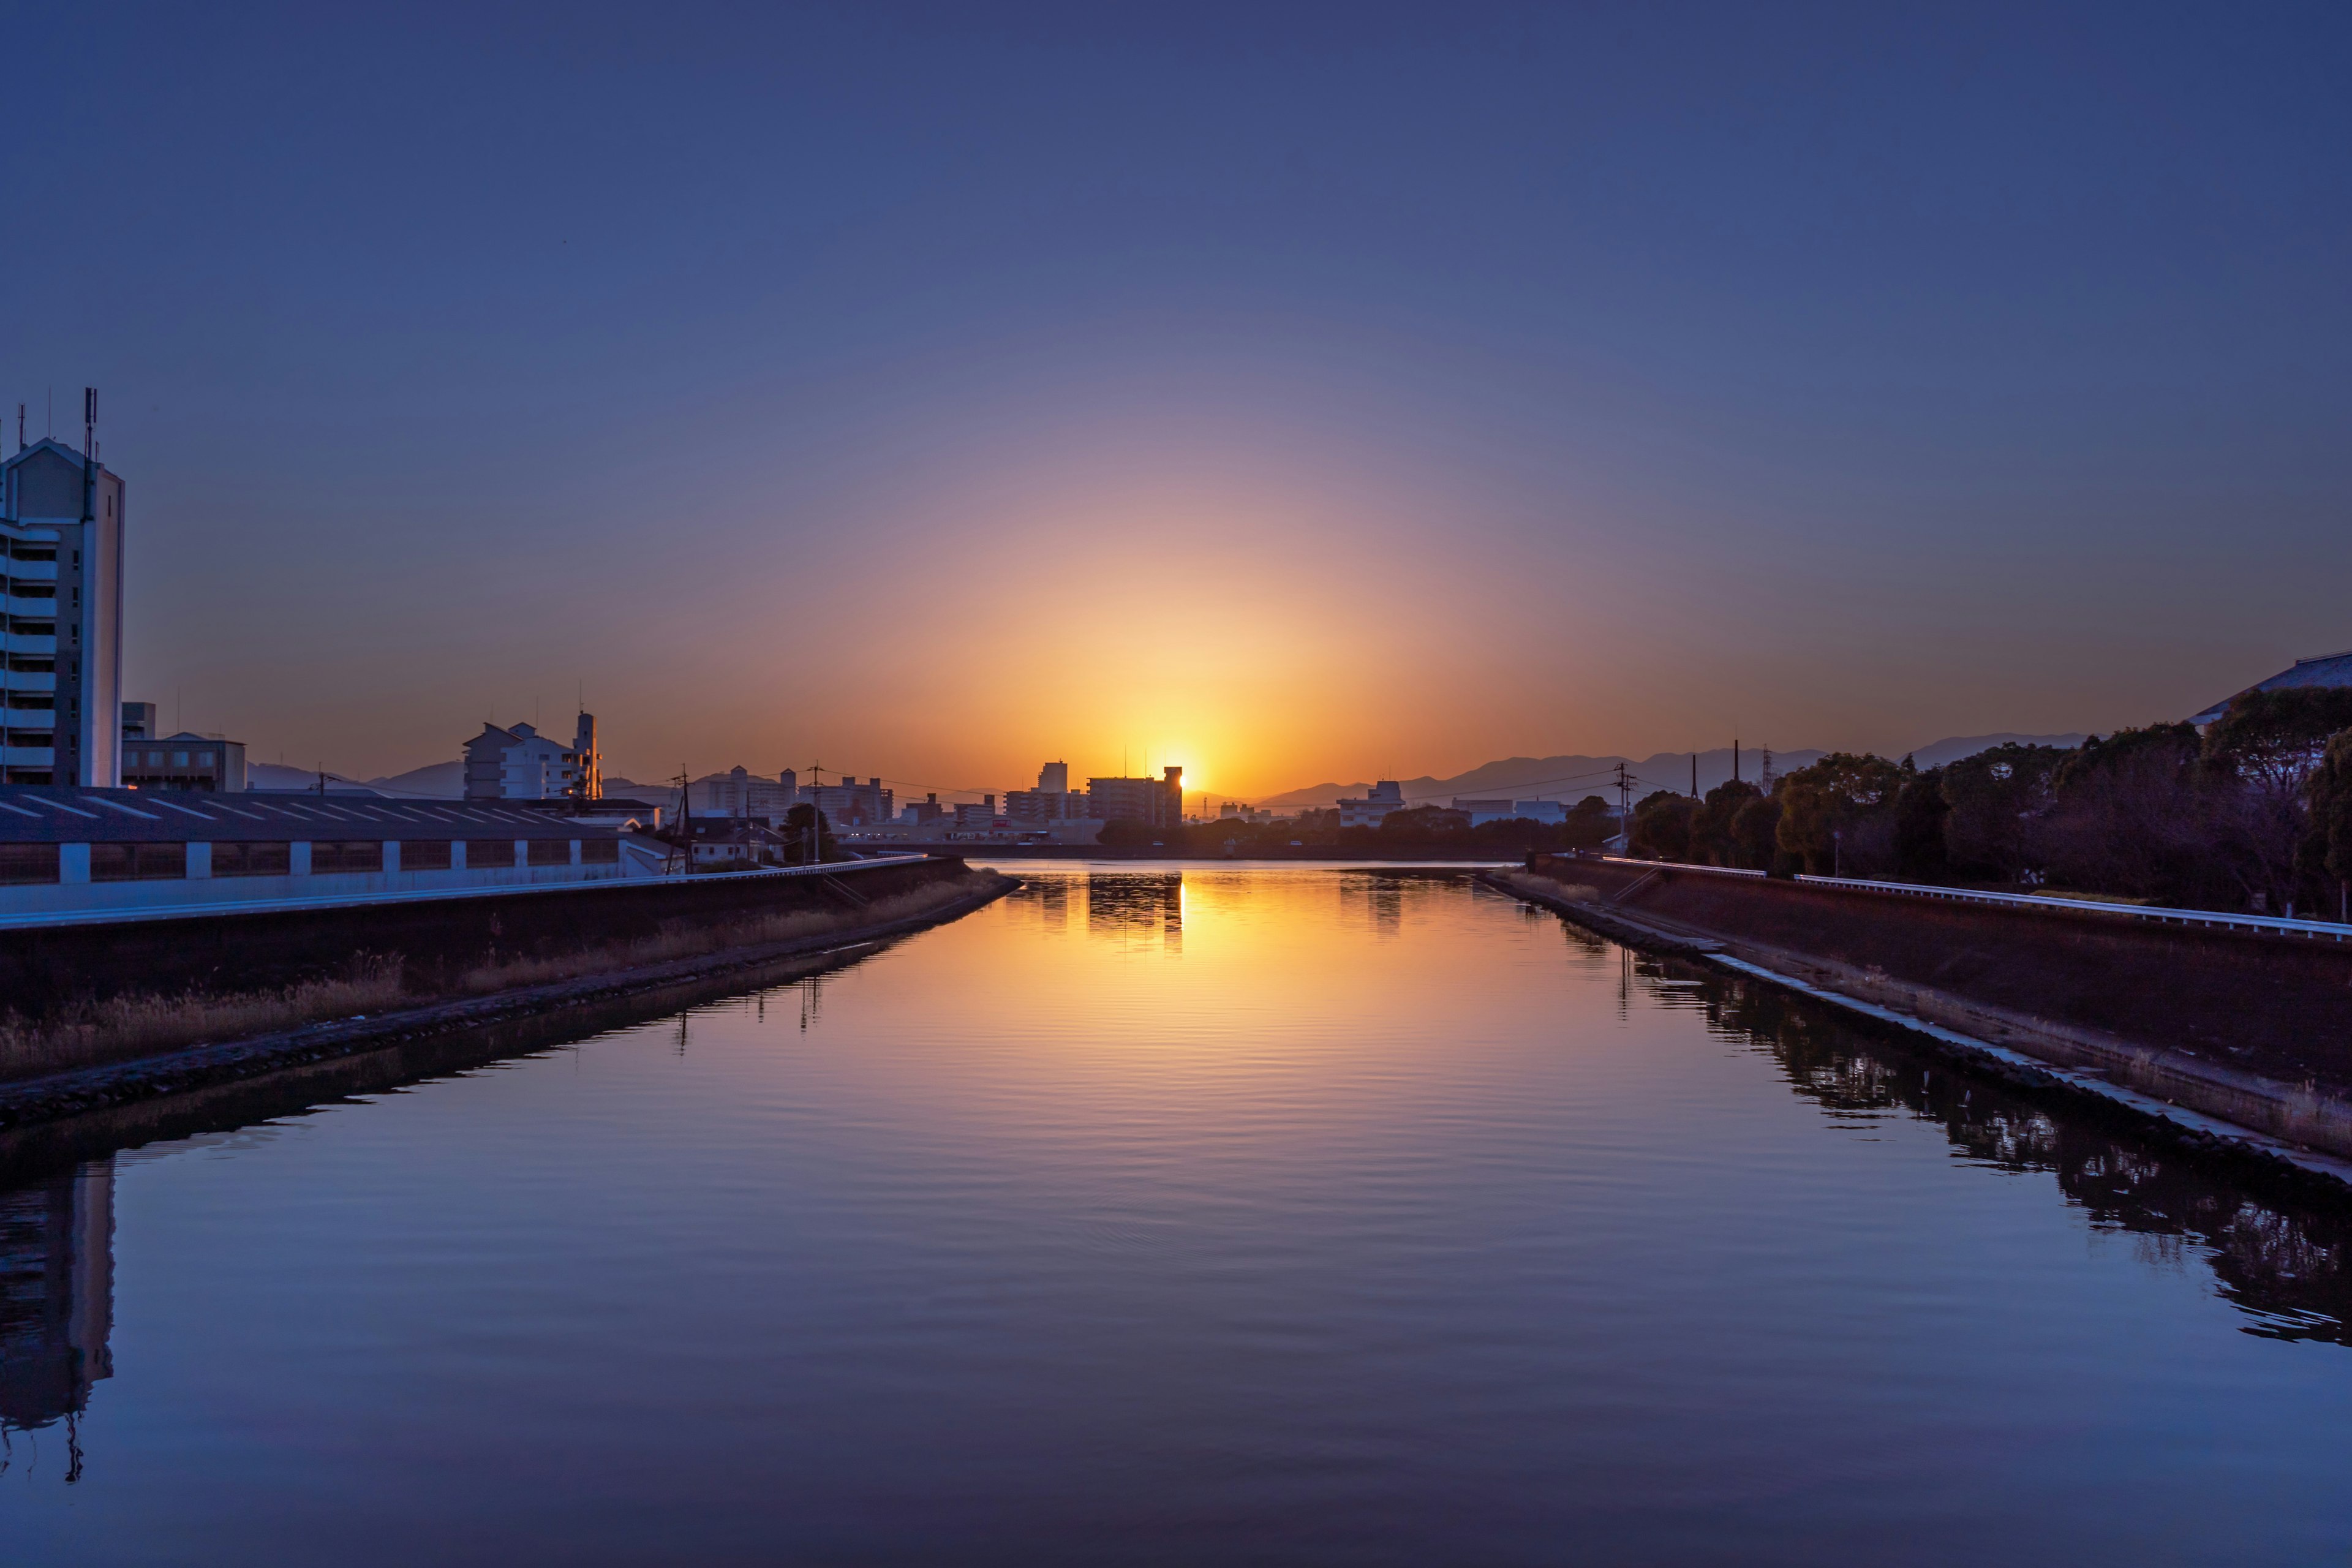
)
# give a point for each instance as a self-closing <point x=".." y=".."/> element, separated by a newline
<point x="1625" y="807"/>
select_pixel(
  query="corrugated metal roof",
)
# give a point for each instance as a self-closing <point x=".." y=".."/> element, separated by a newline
<point x="2326" y="670"/>
<point x="35" y="814"/>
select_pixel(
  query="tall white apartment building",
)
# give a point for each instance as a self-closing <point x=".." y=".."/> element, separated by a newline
<point x="61" y="627"/>
<point x="518" y="762"/>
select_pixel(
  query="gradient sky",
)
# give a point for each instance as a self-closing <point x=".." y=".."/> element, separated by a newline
<point x="1293" y="393"/>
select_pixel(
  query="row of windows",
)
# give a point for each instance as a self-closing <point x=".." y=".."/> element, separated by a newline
<point x="20" y="550"/>
<point x="30" y="863"/>
<point x="26" y="588"/>
<point x="179" y="759"/>
<point x="19" y="627"/>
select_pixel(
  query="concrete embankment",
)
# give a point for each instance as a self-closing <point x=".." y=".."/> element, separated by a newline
<point x="45" y="968"/>
<point x="2250" y="1028"/>
<point x="34" y="1107"/>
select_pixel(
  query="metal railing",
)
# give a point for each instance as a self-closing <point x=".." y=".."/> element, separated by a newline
<point x="2268" y="925"/>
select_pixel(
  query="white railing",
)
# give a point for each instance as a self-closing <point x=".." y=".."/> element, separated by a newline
<point x="2270" y="925"/>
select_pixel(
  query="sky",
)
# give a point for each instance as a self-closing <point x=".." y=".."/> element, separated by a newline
<point x="1288" y="393"/>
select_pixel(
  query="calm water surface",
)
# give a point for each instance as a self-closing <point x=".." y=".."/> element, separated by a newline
<point x="1285" y="1215"/>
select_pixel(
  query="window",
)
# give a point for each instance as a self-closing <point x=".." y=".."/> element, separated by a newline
<point x="549" y="852"/>
<point x="20" y="626"/>
<point x="23" y="863"/>
<point x="32" y="737"/>
<point x="38" y="699"/>
<point x="179" y="759"/>
<point x="425" y="855"/>
<point x="25" y="590"/>
<point x="354" y="855"/>
<point x="137" y="862"/>
<point x="481" y="853"/>
<point x="33" y="552"/>
<point x="241" y="860"/>
<point x="599" y="852"/>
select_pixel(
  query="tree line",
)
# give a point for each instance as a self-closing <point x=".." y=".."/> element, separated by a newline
<point x="2252" y="813"/>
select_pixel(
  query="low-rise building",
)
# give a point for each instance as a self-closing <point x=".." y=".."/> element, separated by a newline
<point x="204" y="764"/>
<point x="1372" y="810"/>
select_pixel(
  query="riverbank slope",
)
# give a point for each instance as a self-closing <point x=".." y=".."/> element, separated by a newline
<point x="2250" y="1028"/>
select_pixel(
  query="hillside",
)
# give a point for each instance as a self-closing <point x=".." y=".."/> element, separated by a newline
<point x="1576" y="775"/>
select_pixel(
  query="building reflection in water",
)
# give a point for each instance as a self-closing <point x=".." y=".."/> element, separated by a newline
<point x="1135" y="905"/>
<point x="56" y="1299"/>
<point x="1383" y="897"/>
<point x="2286" y="1265"/>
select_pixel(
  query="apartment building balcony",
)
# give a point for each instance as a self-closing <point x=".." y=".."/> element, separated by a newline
<point x="20" y="640"/>
<point x="41" y="680"/>
<point x="30" y="571"/>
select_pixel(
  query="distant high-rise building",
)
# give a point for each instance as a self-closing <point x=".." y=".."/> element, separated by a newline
<point x="61" y="641"/>
<point x="56" y="1295"/>
<point x="742" y="794"/>
<point x="850" y="803"/>
<point x="1050" y="802"/>
<point x="139" y="721"/>
<point x="1155" y="803"/>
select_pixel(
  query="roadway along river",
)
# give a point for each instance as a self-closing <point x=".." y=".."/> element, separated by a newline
<point x="1287" y="1215"/>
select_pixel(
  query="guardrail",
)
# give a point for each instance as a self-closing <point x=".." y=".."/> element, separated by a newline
<point x="2156" y="914"/>
<point x="130" y="914"/>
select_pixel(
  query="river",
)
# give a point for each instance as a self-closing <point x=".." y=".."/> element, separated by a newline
<point x="1212" y="1214"/>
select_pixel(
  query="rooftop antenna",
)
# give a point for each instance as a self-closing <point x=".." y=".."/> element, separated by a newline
<point x="20" y="426"/>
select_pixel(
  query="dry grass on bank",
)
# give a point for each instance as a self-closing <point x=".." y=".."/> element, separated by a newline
<point x="1528" y="882"/>
<point x="124" y="1028"/>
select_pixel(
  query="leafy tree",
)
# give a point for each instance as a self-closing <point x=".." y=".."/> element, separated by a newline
<point x="2270" y="745"/>
<point x="797" y="823"/>
<point x="2136" y="813"/>
<point x="1919" y="812"/>
<point x="1839" y="812"/>
<point x="2273" y="741"/>
<point x="1662" y="826"/>
<point x="1420" y="822"/>
<point x="1711" y="840"/>
<point x="1756" y="836"/>
<point x="1997" y="799"/>
<point x="1589" y="824"/>
<point x="2328" y="847"/>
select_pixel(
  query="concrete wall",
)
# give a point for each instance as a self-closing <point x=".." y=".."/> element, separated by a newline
<point x="42" y="968"/>
<point x="2277" y="1006"/>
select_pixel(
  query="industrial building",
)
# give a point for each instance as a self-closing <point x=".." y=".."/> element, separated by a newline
<point x="61" y="517"/>
<point x="75" y="854"/>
